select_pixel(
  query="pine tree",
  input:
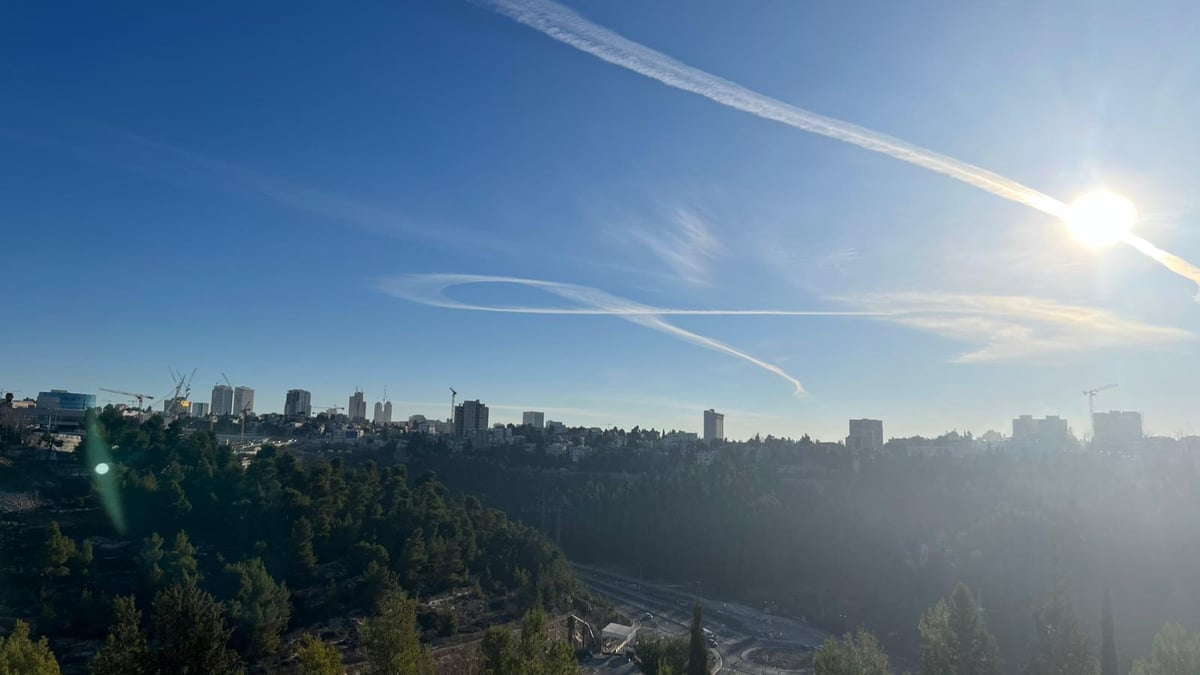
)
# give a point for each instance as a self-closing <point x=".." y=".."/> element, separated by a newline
<point x="1108" y="646"/>
<point x="317" y="657"/>
<point x="20" y="655"/>
<point x="1059" y="648"/>
<point x="259" y="607"/>
<point x="58" y="552"/>
<point x="697" y="650"/>
<point x="856" y="654"/>
<point x="182" y="566"/>
<point x="304" y="559"/>
<point x="1175" y="652"/>
<point x="391" y="641"/>
<point x="151" y="556"/>
<point x="125" y="651"/>
<point x="192" y="635"/>
<point x="954" y="639"/>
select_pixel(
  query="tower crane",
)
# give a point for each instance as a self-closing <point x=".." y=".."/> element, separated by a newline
<point x="1091" y="397"/>
<point x="134" y="395"/>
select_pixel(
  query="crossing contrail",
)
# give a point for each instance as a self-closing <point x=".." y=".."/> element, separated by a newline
<point x="428" y="289"/>
<point x="572" y="29"/>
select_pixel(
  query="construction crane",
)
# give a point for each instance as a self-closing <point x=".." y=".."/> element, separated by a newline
<point x="1091" y="397"/>
<point x="226" y="378"/>
<point x="453" y="396"/>
<point x="141" y="398"/>
<point x="330" y="408"/>
<point x="183" y="390"/>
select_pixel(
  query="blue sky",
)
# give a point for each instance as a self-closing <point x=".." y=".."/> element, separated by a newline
<point x="233" y="190"/>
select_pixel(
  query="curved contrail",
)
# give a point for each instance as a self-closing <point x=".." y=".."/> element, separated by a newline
<point x="428" y="289"/>
<point x="572" y="29"/>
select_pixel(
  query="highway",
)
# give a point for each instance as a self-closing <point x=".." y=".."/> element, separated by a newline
<point x="739" y="629"/>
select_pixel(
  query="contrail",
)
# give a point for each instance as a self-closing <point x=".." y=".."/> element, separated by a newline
<point x="572" y="29"/>
<point x="428" y="289"/>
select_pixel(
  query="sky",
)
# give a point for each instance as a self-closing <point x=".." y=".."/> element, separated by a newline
<point x="334" y="198"/>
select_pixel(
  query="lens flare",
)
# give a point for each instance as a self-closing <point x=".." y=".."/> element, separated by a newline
<point x="101" y="468"/>
<point x="1101" y="218"/>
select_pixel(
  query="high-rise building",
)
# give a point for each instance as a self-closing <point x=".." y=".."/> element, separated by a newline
<point x="383" y="412"/>
<point x="358" y="407"/>
<point x="222" y="400"/>
<point x="199" y="409"/>
<point x="865" y="436"/>
<point x="470" y="418"/>
<point x="533" y="418"/>
<point x="298" y="403"/>
<point x="243" y="400"/>
<point x="714" y="426"/>
<point x="1116" y="427"/>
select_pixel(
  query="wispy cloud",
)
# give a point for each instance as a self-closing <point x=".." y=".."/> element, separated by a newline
<point x="688" y="248"/>
<point x="1013" y="327"/>
<point x="168" y="163"/>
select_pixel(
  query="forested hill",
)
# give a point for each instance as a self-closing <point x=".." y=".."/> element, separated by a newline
<point x="877" y="541"/>
<point x="284" y="544"/>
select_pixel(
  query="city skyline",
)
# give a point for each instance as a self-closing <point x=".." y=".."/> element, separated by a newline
<point x="959" y="304"/>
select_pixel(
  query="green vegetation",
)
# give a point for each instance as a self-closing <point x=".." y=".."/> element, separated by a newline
<point x="954" y="640"/>
<point x="1175" y="652"/>
<point x="228" y="554"/>
<point x="391" y="642"/>
<point x="533" y="653"/>
<point x="317" y="657"/>
<point x="857" y="653"/>
<point x="20" y="655"/>
<point x="874" y="542"/>
<point x="663" y="656"/>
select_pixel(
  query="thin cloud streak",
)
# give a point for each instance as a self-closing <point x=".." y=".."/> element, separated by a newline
<point x="1010" y="328"/>
<point x="428" y="289"/>
<point x="572" y="29"/>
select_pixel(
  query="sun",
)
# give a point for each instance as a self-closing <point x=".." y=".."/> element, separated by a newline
<point x="1101" y="218"/>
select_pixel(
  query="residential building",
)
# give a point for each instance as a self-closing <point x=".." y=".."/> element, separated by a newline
<point x="222" y="400"/>
<point x="1049" y="433"/>
<point x="243" y="400"/>
<point x="555" y="427"/>
<point x="298" y="403"/>
<point x="866" y="435"/>
<point x="1024" y="428"/>
<point x="199" y="409"/>
<point x="470" y="418"/>
<point x="533" y="418"/>
<point x="714" y="426"/>
<point x="61" y="399"/>
<point x="358" y="407"/>
<point x="1116" y="427"/>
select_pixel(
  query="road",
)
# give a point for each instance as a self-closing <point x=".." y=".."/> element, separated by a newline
<point x="739" y="628"/>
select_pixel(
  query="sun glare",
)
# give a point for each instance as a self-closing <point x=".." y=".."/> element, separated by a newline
<point x="1101" y="218"/>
